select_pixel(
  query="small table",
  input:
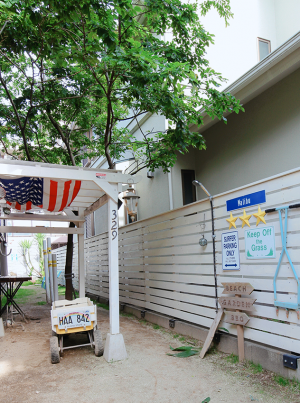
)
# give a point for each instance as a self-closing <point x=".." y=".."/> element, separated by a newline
<point x="9" y="291"/>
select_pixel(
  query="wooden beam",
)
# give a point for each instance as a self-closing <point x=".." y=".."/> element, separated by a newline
<point x="98" y="203"/>
<point x="41" y="217"/>
<point x="211" y="333"/>
<point x="40" y="230"/>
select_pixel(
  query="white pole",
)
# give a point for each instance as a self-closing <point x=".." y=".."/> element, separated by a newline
<point x="50" y="268"/>
<point x="54" y="273"/>
<point x="114" y="345"/>
<point x="81" y="262"/>
<point x="113" y="260"/>
<point x="46" y="271"/>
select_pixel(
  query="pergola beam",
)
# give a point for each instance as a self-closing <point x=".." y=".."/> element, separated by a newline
<point x="97" y="204"/>
<point x="41" y="230"/>
<point x="41" y="217"/>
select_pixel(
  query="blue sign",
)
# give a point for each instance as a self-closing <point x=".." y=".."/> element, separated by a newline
<point x="245" y="201"/>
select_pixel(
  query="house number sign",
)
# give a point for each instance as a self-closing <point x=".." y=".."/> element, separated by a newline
<point x="114" y="227"/>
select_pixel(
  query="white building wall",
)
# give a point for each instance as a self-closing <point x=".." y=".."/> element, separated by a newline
<point x="287" y="19"/>
<point x="235" y="48"/>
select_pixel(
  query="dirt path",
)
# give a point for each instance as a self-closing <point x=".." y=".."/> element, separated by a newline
<point x="148" y="375"/>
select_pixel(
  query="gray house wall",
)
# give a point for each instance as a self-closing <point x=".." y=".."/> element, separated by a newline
<point x="263" y="141"/>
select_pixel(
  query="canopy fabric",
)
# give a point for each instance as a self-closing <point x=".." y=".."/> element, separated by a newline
<point x="24" y="193"/>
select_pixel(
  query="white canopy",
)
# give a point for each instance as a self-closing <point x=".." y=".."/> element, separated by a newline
<point x="97" y="187"/>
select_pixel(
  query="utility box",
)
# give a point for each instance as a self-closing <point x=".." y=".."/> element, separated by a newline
<point x="290" y="361"/>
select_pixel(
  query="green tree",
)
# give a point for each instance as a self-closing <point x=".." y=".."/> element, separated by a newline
<point x="38" y="240"/>
<point x="25" y="247"/>
<point x="67" y="67"/>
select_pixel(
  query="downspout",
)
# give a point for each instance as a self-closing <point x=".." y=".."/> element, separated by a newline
<point x="170" y="189"/>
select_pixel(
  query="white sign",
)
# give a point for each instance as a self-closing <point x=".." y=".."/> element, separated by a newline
<point x="77" y="318"/>
<point x="260" y="243"/>
<point x="230" y="251"/>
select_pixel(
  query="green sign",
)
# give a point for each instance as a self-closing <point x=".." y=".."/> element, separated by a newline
<point x="260" y="243"/>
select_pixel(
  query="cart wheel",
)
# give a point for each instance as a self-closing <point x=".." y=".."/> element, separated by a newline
<point x="98" y="343"/>
<point x="54" y="350"/>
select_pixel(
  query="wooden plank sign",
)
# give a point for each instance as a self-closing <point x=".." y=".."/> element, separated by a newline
<point x="233" y="303"/>
<point x="237" y="288"/>
<point x="211" y="333"/>
<point x="236" y="318"/>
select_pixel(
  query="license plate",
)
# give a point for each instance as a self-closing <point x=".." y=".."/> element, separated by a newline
<point x="78" y="318"/>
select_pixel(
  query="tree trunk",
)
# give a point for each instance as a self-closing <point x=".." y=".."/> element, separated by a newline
<point x="68" y="267"/>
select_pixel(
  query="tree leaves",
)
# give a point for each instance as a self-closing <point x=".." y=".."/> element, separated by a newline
<point x="78" y="66"/>
<point x="184" y="351"/>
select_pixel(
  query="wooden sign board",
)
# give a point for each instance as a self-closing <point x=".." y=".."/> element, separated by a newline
<point x="233" y="303"/>
<point x="237" y="288"/>
<point x="236" y="318"/>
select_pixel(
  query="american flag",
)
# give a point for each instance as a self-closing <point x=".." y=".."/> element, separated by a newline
<point x="25" y="193"/>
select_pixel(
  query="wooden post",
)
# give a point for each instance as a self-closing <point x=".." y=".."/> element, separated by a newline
<point x="48" y="297"/>
<point x="113" y="259"/>
<point x="54" y="273"/>
<point x="50" y="269"/>
<point x="240" y="336"/>
<point x="81" y="268"/>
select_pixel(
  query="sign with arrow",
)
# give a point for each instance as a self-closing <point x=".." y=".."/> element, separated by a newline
<point x="233" y="303"/>
<point x="230" y="251"/>
<point x="237" y="288"/>
<point x="236" y="318"/>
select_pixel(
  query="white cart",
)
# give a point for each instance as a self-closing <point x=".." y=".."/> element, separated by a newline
<point x="77" y="316"/>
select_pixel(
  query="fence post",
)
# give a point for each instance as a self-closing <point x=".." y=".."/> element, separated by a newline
<point x="48" y="297"/>
<point x="50" y="268"/>
<point x="54" y="273"/>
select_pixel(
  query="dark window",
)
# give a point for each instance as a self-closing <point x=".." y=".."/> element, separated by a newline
<point x="188" y="189"/>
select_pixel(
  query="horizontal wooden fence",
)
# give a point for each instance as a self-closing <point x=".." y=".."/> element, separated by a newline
<point x="163" y="268"/>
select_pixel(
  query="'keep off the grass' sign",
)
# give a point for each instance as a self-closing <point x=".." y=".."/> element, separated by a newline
<point x="260" y="243"/>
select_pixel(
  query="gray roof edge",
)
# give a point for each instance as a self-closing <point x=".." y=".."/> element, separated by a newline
<point x="257" y="71"/>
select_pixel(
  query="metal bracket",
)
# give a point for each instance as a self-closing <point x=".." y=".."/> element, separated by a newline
<point x="172" y="323"/>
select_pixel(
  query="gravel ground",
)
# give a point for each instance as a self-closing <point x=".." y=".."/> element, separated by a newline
<point x="147" y="375"/>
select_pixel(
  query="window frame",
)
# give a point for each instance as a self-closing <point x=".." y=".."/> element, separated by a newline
<point x="265" y="41"/>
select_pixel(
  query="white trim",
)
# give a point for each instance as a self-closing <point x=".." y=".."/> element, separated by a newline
<point x="41" y="217"/>
<point x="40" y="230"/>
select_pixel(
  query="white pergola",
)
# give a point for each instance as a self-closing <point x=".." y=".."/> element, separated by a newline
<point x="98" y="187"/>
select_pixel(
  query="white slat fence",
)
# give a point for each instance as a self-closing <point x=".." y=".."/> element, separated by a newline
<point x="164" y="269"/>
